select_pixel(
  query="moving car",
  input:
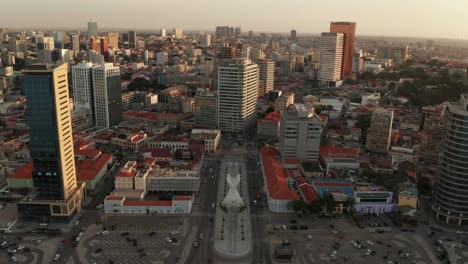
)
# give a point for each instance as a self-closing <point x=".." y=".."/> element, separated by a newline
<point x="57" y="256"/>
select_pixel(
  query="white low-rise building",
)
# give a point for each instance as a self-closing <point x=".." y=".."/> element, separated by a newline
<point x="121" y="205"/>
<point x="211" y="138"/>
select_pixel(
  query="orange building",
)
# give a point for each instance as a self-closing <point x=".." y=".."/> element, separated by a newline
<point x="349" y="31"/>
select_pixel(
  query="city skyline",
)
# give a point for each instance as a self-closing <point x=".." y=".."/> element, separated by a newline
<point x="434" y="21"/>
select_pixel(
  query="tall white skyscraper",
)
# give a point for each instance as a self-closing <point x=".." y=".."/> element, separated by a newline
<point x="83" y="91"/>
<point x="178" y="33"/>
<point x="300" y="132"/>
<point x="163" y="32"/>
<point x="266" y="76"/>
<point x="331" y="56"/>
<point x="237" y="95"/>
<point x="75" y="42"/>
<point x="92" y="29"/>
<point x="205" y="40"/>
<point x="107" y="95"/>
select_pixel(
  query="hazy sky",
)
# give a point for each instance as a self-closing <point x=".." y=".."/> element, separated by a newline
<point x="420" y="18"/>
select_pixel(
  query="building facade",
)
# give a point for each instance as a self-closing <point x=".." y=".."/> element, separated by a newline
<point x="58" y="197"/>
<point x="348" y="29"/>
<point x="450" y="198"/>
<point x="237" y="95"/>
<point x="107" y="95"/>
<point x="266" y="78"/>
<point x="331" y="59"/>
<point x="380" y="131"/>
<point x="300" y="133"/>
<point x="206" y="113"/>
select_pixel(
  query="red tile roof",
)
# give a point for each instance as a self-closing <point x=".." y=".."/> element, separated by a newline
<point x="146" y="203"/>
<point x="114" y="198"/>
<point x="273" y="116"/>
<point x="126" y="173"/>
<point x="301" y="181"/>
<point x="160" y="153"/>
<point x="309" y="193"/>
<point x="292" y="161"/>
<point x="276" y="176"/>
<point x="24" y="172"/>
<point x="338" y="152"/>
<point x="88" y="169"/>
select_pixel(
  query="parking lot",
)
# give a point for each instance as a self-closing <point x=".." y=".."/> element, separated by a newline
<point x="343" y="242"/>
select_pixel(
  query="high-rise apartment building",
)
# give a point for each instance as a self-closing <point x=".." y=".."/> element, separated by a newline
<point x="300" y="133"/>
<point x="83" y="91"/>
<point x="162" y="58"/>
<point x="178" y="33"/>
<point x="44" y="43"/>
<point x="331" y="56"/>
<point x="237" y="95"/>
<point x="113" y="39"/>
<point x="266" y="80"/>
<point x="293" y="35"/>
<point x="59" y="39"/>
<point x="75" y="42"/>
<point x="224" y="32"/>
<point x="349" y="30"/>
<point x="57" y="195"/>
<point x="132" y="39"/>
<point x="15" y="45"/>
<point x="380" y="131"/>
<point x="398" y="54"/>
<point x="107" y="95"/>
<point x="92" y="29"/>
<point x="450" y="198"/>
<point x="205" y="40"/>
<point x="163" y="32"/>
<point x="206" y="113"/>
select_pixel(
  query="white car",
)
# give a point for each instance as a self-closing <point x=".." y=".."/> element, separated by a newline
<point x="77" y="223"/>
<point x="212" y="205"/>
<point x="100" y="206"/>
<point x="333" y="254"/>
<point x="14" y="258"/>
<point x="4" y="243"/>
<point x="459" y="232"/>
<point x="370" y="242"/>
<point x="368" y="252"/>
<point x="105" y="233"/>
<point x="57" y="256"/>
<point x="20" y="247"/>
<point x="309" y="237"/>
<point x="173" y="233"/>
<point x="11" y="250"/>
<point x="43" y="224"/>
<point x="168" y="240"/>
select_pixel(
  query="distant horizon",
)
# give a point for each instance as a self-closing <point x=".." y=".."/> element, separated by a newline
<point x="211" y="31"/>
<point x="416" y="18"/>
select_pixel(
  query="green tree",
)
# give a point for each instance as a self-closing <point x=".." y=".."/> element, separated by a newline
<point x="298" y="205"/>
<point x="178" y="155"/>
<point x="270" y="109"/>
<point x="139" y="84"/>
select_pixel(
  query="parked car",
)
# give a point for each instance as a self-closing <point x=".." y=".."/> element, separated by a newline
<point x="57" y="256"/>
<point x="195" y="244"/>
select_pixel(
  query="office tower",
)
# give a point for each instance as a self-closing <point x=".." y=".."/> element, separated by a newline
<point x="145" y="55"/>
<point x="222" y="52"/>
<point x="380" y="131"/>
<point x="206" y="113"/>
<point x="59" y="39"/>
<point x="92" y="29"/>
<point x="132" y="39"/>
<point x="257" y="54"/>
<point x="224" y="32"/>
<point x="75" y="42"/>
<point x="125" y="37"/>
<point x="83" y="91"/>
<point x="107" y="95"/>
<point x="299" y="65"/>
<point x="300" y="132"/>
<point x="331" y="56"/>
<point x="161" y="58"/>
<point x="450" y="198"/>
<point x="275" y="45"/>
<point x="44" y="43"/>
<point x="266" y="76"/>
<point x="293" y="35"/>
<point x="95" y="44"/>
<point x="237" y="32"/>
<point x="15" y="45"/>
<point x="349" y="31"/>
<point x="163" y="32"/>
<point x="178" y="33"/>
<point x="205" y="40"/>
<point x="3" y="35"/>
<point x="398" y="54"/>
<point x="104" y="46"/>
<point x="57" y="195"/>
<point x="113" y="39"/>
<point x="250" y="34"/>
<point x="237" y="95"/>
